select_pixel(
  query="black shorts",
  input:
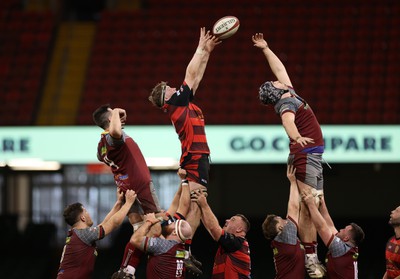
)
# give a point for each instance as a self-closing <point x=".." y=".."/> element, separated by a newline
<point x="197" y="167"/>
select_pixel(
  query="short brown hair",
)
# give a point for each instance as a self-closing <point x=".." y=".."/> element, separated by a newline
<point x="156" y="94"/>
<point x="357" y="234"/>
<point x="269" y="227"/>
<point x="100" y="116"/>
<point x="72" y="213"/>
<point x="245" y="221"/>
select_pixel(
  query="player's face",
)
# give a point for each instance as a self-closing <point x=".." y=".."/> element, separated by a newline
<point x="232" y="224"/>
<point x="169" y="91"/>
<point x="345" y="233"/>
<point x="395" y="217"/>
<point x="88" y="218"/>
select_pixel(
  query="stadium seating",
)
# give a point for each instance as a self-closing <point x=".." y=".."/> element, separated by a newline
<point x="342" y="57"/>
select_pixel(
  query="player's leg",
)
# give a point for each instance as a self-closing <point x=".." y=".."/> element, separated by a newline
<point x="309" y="178"/>
<point x="197" y="167"/>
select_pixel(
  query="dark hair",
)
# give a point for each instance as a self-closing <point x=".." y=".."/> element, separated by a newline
<point x="72" y="212"/>
<point x="357" y="234"/>
<point x="269" y="226"/>
<point x="100" y="116"/>
<point x="155" y="95"/>
<point x="245" y="221"/>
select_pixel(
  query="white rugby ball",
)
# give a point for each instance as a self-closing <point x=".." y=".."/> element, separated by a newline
<point x="225" y="27"/>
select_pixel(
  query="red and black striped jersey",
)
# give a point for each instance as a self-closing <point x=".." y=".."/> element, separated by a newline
<point x="232" y="260"/>
<point x="392" y="255"/>
<point x="188" y="120"/>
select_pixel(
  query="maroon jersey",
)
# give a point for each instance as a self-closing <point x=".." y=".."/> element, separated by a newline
<point x="126" y="161"/>
<point x="188" y="121"/>
<point x="232" y="260"/>
<point x="166" y="258"/>
<point x="393" y="257"/>
<point x="305" y="120"/>
<point x="341" y="260"/>
<point x="289" y="258"/>
<point x="79" y="254"/>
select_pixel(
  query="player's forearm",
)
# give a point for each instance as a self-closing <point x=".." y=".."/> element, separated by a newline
<point x="117" y="206"/>
<point x="184" y="201"/>
<point x="274" y="62"/>
<point x="197" y="66"/>
<point x="294" y="201"/>
<point x="115" y="128"/>
<point x="138" y="237"/>
<point x="210" y="222"/>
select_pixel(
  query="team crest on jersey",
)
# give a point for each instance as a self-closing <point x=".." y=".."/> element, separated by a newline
<point x="275" y="251"/>
<point x="103" y="150"/>
<point x="355" y="256"/>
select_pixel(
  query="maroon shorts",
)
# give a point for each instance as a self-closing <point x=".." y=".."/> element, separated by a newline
<point x="146" y="201"/>
<point x="308" y="168"/>
<point x="197" y="167"/>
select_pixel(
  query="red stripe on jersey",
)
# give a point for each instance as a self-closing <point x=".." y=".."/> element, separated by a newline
<point x="392" y="255"/>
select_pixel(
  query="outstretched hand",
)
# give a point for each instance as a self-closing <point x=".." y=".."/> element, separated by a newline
<point x="258" y="40"/>
<point x="207" y="41"/>
<point x="291" y="173"/>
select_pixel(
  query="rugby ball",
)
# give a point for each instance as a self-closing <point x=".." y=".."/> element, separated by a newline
<point x="226" y="27"/>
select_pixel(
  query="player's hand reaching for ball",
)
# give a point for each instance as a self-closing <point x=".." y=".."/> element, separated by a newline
<point x="211" y="43"/>
<point x="207" y="42"/>
<point x="258" y="40"/>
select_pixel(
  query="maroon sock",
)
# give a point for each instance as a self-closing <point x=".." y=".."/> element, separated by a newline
<point x="132" y="256"/>
<point x="310" y="247"/>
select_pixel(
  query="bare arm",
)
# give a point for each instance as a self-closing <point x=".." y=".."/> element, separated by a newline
<point x="117" y="121"/>
<point x="175" y="202"/>
<point x="208" y="218"/>
<point x="117" y="206"/>
<point x="184" y="201"/>
<point x="320" y="224"/>
<point x="325" y="214"/>
<point x="118" y="217"/>
<point x="294" y="196"/>
<point x="137" y="238"/>
<point x="197" y="66"/>
<point x="292" y="131"/>
<point x="276" y="65"/>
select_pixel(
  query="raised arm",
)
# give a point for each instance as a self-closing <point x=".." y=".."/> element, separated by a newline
<point x="294" y="196"/>
<point x="117" y="206"/>
<point x="276" y="65"/>
<point x="137" y="239"/>
<point x="197" y="66"/>
<point x="208" y="218"/>
<point x="320" y="224"/>
<point x="117" y="121"/>
<point x="118" y="217"/>
<point x="323" y="209"/>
